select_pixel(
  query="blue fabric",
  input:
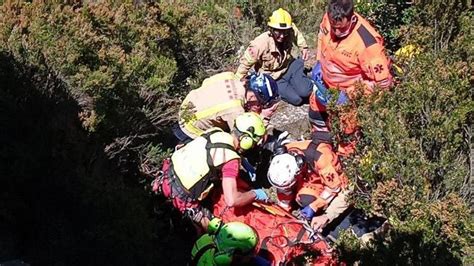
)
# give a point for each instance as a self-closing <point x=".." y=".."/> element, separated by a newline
<point x="343" y="99"/>
<point x="322" y="93"/>
<point x="317" y="74"/>
<point x="307" y="212"/>
<point x="294" y="86"/>
<point x="259" y="261"/>
<point x="180" y="135"/>
<point x="249" y="168"/>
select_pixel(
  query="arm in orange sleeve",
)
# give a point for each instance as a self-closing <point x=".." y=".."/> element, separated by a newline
<point x="331" y="180"/>
<point x="376" y="67"/>
<point x="251" y="56"/>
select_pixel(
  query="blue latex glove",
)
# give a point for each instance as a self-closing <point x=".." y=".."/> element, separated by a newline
<point x="250" y="169"/>
<point x="307" y="212"/>
<point x="343" y="99"/>
<point x="260" y="194"/>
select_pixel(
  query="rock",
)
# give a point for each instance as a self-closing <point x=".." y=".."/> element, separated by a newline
<point x="292" y="119"/>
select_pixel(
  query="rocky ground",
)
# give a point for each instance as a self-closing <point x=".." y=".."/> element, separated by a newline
<point x="292" y="119"/>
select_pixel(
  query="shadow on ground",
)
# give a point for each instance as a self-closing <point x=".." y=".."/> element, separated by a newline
<point x="63" y="202"/>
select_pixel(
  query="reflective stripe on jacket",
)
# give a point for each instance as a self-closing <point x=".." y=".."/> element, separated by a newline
<point x="217" y="103"/>
<point x="196" y="165"/>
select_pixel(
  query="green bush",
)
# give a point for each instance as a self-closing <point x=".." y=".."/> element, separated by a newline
<point x="431" y="233"/>
<point x="124" y="67"/>
<point x="413" y="160"/>
<point x="110" y="57"/>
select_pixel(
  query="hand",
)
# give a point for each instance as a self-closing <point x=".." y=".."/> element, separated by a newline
<point x="268" y="112"/>
<point x="260" y="194"/>
<point x="319" y="222"/>
<point x="307" y="212"/>
<point x="305" y="54"/>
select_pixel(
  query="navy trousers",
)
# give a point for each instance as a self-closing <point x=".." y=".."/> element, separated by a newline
<point x="294" y="86"/>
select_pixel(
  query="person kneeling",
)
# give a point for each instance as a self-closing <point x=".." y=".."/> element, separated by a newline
<point x="309" y="173"/>
<point x="194" y="169"/>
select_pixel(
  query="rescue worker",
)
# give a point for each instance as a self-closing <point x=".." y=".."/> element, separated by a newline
<point x="225" y="244"/>
<point x="349" y="51"/>
<point x="194" y="169"/>
<point x="310" y="173"/>
<point x="270" y="53"/>
<point x="222" y="98"/>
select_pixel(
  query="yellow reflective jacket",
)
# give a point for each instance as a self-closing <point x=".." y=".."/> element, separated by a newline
<point x="217" y="103"/>
<point x="196" y="166"/>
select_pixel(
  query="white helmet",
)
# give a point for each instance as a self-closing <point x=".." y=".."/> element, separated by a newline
<point x="282" y="171"/>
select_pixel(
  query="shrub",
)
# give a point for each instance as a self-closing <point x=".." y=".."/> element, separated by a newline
<point x="413" y="160"/>
<point x="110" y="57"/>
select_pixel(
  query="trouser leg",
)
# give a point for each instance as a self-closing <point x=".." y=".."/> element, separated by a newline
<point x="294" y="86"/>
<point x="318" y="115"/>
<point x="299" y="80"/>
<point x="182" y="137"/>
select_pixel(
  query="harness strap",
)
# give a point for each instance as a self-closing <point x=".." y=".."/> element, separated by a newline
<point x="176" y="184"/>
<point x="201" y="252"/>
<point x="311" y="153"/>
<point x="321" y="137"/>
<point x="300" y="235"/>
<point x="210" y="145"/>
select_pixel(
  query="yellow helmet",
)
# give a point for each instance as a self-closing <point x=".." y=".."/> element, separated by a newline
<point x="251" y="129"/>
<point x="280" y="19"/>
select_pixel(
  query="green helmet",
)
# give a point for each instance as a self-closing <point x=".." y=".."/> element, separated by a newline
<point x="236" y="236"/>
<point x="214" y="225"/>
<point x="251" y="128"/>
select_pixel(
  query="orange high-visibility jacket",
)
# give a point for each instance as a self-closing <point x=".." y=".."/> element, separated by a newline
<point x="326" y="168"/>
<point x="358" y="57"/>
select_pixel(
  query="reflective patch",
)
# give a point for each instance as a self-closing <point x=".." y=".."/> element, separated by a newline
<point x="324" y="31"/>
